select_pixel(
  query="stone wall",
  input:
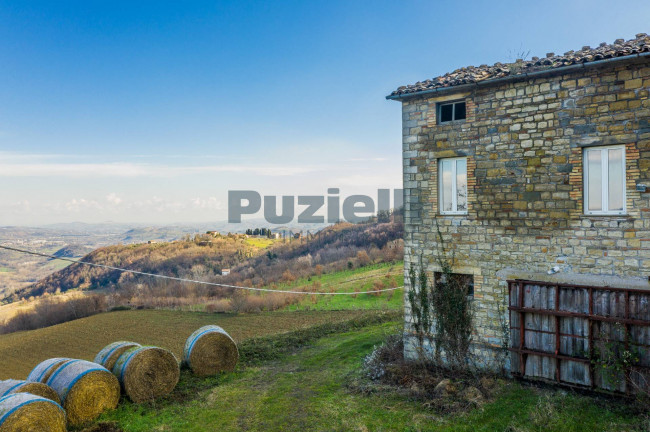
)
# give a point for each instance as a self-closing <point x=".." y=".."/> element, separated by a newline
<point x="524" y="141"/>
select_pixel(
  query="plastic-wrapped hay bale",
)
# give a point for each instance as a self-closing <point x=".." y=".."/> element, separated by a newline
<point x="147" y="372"/>
<point x="210" y="350"/>
<point x="25" y="412"/>
<point x="36" y="388"/>
<point x="42" y="372"/>
<point x="86" y="390"/>
<point x="109" y="355"/>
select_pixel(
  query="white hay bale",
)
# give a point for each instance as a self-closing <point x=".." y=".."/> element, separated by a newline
<point x="110" y="353"/>
<point x="42" y="372"/>
<point x="210" y="350"/>
<point x="147" y="373"/>
<point x="25" y="412"/>
<point x="36" y="388"/>
<point x="86" y="390"/>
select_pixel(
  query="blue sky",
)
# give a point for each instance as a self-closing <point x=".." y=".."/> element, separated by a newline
<point x="152" y="111"/>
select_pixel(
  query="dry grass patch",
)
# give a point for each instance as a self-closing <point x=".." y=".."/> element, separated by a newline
<point x="440" y="389"/>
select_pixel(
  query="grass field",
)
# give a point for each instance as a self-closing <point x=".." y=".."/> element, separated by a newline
<point x="359" y="279"/>
<point x="294" y="375"/>
<point x="260" y="242"/>
<point x="306" y="390"/>
<point x="56" y="265"/>
<point x="83" y="338"/>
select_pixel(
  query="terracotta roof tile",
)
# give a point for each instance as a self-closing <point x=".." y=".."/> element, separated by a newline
<point x="474" y="74"/>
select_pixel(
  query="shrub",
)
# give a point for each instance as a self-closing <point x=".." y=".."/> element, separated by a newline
<point x="219" y="306"/>
<point x="53" y="310"/>
<point x="363" y="258"/>
<point x="377" y="286"/>
<point x="287" y="276"/>
<point x="238" y="301"/>
<point x="391" y="351"/>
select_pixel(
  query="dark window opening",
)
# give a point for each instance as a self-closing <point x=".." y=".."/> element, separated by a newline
<point x="459" y="111"/>
<point x="452" y="111"/>
<point x="446" y="113"/>
<point x="462" y="281"/>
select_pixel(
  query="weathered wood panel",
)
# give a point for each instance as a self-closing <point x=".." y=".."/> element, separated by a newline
<point x="567" y="327"/>
<point x="574" y="300"/>
<point x="575" y="372"/>
<point x="640" y="306"/>
<point x="574" y="337"/>
<point x="540" y="367"/>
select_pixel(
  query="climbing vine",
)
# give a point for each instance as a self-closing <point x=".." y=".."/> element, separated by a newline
<point x="612" y="357"/>
<point x="442" y="311"/>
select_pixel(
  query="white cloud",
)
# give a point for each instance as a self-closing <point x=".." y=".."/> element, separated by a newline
<point x="368" y="159"/>
<point x="265" y="170"/>
<point x="126" y="169"/>
<point x="211" y="203"/>
<point x="122" y="187"/>
<point x="83" y="166"/>
<point x="79" y="205"/>
<point x="22" y="206"/>
<point x="386" y="180"/>
<point x="72" y="170"/>
<point x="113" y="198"/>
<point x="154" y="204"/>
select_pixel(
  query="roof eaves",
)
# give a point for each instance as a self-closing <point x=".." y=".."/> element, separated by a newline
<point x="515" y="77"/>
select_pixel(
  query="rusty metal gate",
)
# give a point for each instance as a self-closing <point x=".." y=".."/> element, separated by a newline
<point x="557" y="331"/>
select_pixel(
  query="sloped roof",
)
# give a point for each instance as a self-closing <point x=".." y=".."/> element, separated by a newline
<point x="475" y="74"/>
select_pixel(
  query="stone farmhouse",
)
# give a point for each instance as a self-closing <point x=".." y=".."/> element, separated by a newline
<point x="535" y="171"/>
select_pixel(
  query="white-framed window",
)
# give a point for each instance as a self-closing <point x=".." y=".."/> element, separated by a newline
<point x="452" y="185"/>
<point x="452" y="111"/>
<point x="604" y="180"/>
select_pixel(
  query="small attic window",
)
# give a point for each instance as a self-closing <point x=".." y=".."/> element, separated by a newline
<point x="451" y="111"/>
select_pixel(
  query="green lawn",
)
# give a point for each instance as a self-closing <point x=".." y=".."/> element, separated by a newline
<point x="359" y="279"/>
<point x="305" y="390"/>
<point x="349" y="280"/>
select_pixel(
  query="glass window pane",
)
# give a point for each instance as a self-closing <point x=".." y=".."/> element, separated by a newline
<point x="460" y="113"/>
<point x="446" y="179"/>
<point x="616" y="179"/>
<point x="461" y="184"/>
<point x="594" y="180"/>
<point x="446" y="113"/>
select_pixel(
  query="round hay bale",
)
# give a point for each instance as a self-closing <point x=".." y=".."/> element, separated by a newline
<point x="109" y="355"/>
<point x="42" y="372"/>
<point x="147" y="373"/>
<point x="36" y="388"/>
<point x="210" y="350"/>
<point x="86" y="390"/>
<point x="24" y="412"/>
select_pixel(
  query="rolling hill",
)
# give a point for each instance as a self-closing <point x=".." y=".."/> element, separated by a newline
<point x="340" y="246"/>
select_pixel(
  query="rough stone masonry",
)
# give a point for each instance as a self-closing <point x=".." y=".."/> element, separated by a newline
<point x="526" y="128"/>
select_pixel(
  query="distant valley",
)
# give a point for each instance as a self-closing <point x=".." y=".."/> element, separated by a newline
<point x="77" y="239"/>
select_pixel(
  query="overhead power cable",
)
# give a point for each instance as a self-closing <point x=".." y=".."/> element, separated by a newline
<point x="154" y="275"/>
